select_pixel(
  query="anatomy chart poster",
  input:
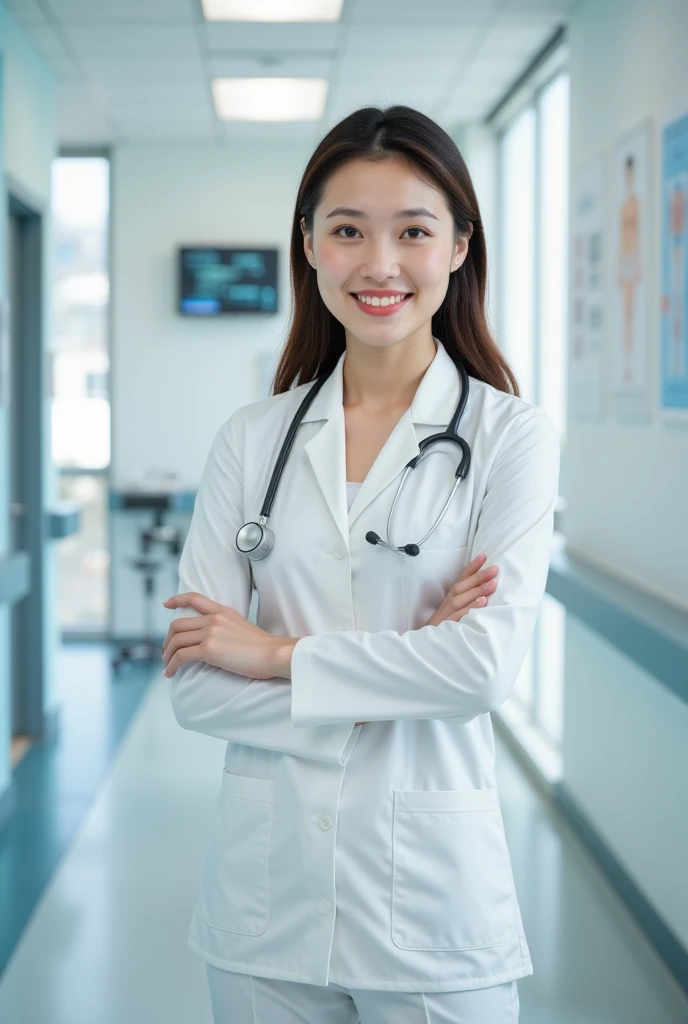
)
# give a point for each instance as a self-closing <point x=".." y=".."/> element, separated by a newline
<point x="586" y="347"/>
<point x="674" y="281"/>
<point x="631" y="267"/>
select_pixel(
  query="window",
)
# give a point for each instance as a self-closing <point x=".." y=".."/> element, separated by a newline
<point x="534" y="159"/>
<point x="80" y="417"/>
<point x="533" y="299"/>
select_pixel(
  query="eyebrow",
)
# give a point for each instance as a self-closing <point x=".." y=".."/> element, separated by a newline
<point x="416" y="211"/>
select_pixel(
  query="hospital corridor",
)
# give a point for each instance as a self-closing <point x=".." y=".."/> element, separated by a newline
<point x="301" y="723"/>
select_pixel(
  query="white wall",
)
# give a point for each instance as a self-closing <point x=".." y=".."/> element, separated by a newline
<point x="627" y="503"/>
<point x="625" y="751"/>
<point x="174" y="379"/>
<point x="625" y="763"/>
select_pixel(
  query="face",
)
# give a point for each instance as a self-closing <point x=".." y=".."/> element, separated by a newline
<point x="371" y="248"/>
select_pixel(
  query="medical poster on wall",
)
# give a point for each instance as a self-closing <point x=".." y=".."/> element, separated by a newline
<point x="674" y="280"/>
<point x="586" y="350"/>
<point x="631" y="262"/>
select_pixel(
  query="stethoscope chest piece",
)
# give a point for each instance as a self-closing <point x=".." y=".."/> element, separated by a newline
<point x="256" y="540"/>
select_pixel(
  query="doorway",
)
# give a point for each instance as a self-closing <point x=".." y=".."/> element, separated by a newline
<point x="25" y="478"/>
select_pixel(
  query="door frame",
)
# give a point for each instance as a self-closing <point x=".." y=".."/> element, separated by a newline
<point x="30" y="433"/>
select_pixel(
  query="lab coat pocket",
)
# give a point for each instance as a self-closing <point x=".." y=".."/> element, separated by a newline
<point x="426" y="579"/>
<point x="452" y="885"/>
<point x="236" y="889"/>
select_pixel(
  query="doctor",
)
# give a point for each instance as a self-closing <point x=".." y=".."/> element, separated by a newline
<point x="358" y="868"/>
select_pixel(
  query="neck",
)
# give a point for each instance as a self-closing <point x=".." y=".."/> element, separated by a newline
<point x="380" y="379"/>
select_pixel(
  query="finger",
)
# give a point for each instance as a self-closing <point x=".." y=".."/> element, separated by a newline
<point x="182" y="656"/>
<point x="462" y="598"/>
<point x="204" y="605"/>
<point x="467" y="597"/>
<point x="182" y="640"/>
<point x="474" y="565"/>
<point x="187" y="622"/>
<point x="464" y="586"/>
<point x="478" y="603"/>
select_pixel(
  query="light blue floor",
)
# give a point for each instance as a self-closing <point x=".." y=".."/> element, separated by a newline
<point x="55" y="783"/>
<point x="107" y="941"/>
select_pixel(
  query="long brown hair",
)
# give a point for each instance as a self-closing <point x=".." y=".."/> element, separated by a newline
<point x="316" y="338"/>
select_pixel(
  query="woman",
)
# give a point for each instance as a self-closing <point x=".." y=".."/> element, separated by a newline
<point x="358" y="868"/>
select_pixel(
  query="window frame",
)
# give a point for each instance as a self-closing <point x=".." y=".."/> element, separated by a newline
<point x="527" y="95"/>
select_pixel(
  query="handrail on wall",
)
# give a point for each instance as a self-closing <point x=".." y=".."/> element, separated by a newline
<point x="646" y="629"/>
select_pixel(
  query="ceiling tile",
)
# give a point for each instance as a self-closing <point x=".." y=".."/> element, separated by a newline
<point x="389" y="74"/>
<point x="429" y="12"/>
<point x="414" y="47"/>
<point x="122" y="39"/>
<point x="516" y="38"/>
<point x="269" y="132"/>
<point x="561" y="7"/>
<point x="182" y="107"/>
<point x="282" y="37"/>
<point x="246" y="67"/>
<point x="142" y="71"/>
<point x="93" y="12"/>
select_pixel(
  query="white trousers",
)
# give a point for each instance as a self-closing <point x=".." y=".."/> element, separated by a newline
<point x="247" y="999"/>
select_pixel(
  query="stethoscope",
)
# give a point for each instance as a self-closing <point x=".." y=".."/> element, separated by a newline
<point x="257" y="539"/>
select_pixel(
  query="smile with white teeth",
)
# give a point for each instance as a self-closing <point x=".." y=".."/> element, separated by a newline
<point x="375" y="300"/>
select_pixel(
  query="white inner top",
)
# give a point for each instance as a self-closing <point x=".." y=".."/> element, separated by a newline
<point x="351" y="491"/>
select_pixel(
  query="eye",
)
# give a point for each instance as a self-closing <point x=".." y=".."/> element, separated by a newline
<point x="344" y="227"/>
<point x="426" y="233"/>
<point x="347" y="227"/>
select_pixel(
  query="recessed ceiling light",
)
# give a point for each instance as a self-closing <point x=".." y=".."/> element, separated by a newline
<point x="272" y="10"/>
<point x="269" y="99"/>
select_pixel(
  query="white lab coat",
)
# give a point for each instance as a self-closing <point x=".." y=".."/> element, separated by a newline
<point x="371" y="856"/>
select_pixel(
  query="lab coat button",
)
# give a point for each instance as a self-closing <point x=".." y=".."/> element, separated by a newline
<point x="325" y="822"/>
<point x="339" y="551"/>
<point x="324" y="906"/>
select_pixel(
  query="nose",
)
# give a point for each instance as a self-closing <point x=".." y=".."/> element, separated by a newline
<point x="380" y="262"/>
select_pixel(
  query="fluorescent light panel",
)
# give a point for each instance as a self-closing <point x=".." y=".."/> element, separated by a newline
<point x="272" y="10"/>
<point x="269" y="99"/>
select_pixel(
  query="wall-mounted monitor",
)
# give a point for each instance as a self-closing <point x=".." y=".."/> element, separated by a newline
<point x="214" y="280"/>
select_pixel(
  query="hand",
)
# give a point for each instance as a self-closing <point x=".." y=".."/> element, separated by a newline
<point x="471" y="591"/>
<point x="219" y="636"/>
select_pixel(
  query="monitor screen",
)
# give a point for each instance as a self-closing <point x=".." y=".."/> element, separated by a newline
<point x="214" y="281"/>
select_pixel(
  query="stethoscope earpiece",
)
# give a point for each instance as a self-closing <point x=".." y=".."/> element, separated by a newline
<point x="375" y="538"/>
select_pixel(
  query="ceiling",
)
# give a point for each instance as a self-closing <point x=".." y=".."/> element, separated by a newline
<point x="140" y="70"/>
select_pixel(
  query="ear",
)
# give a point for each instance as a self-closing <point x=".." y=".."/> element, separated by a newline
<point x="461" y="250"/>
<point x="307" y="241"/>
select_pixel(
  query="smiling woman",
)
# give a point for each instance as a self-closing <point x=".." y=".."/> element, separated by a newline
<point x="357" y="710"/>
<point x="384" y="214"/>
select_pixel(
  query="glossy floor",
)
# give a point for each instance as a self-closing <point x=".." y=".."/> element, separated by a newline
<point x="107" y="941"/>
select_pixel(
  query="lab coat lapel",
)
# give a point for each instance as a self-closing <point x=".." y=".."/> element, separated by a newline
<point x="399" y="448"/>
<point x="326" y="450"/>
<point x="433" y="404"/>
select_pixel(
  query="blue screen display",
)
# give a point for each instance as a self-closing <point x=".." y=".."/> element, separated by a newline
<point x="215" y="281"/>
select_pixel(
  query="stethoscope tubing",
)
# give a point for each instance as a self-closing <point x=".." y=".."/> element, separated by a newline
<point x="256" y="540"/>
